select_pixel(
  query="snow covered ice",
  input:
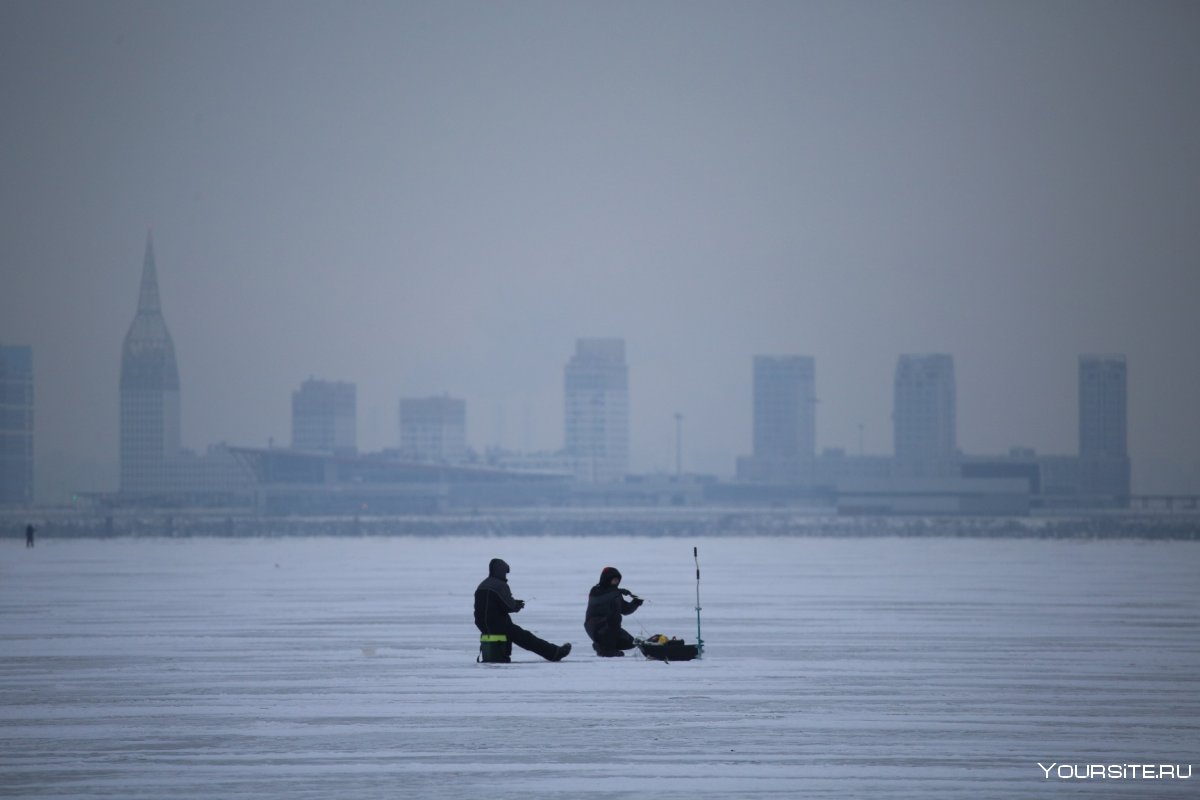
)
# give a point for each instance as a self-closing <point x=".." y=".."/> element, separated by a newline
<point x="345" y="668"/>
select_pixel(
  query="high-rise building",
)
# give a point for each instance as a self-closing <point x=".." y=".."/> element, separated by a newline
<point x="433" y="428"/>
<point x="16" y="425"/>
<point x="785" y="407"/>
<point x="924" y="416"/>
<point x="785" y="422"/>
<point x="154" y="466"/>
<point x="1104" y="467"/>
<point x="150" y="413"/>
<point x="324" y="417"/>
<point x="1102" y="411"/>
<point x="596" y="392"/>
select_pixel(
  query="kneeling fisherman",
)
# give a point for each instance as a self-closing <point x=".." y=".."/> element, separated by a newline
<point x="606" y="606"/>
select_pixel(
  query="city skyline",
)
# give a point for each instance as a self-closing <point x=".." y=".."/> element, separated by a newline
<point x="324" y="412"/>
<point x="429" y="199"/>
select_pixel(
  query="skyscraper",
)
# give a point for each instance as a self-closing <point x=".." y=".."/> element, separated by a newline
<point x="785" y="407"/>
<point x="433" y="428"/>
<point x="596" y="393"/>
<point x="16" y="425"/>
<point x="1105" y="468"/>
<point x="150" y="413"/>
<point x="924" y="415"/>
<point x="1102" y="412"/>
<point x="324" y="417"/>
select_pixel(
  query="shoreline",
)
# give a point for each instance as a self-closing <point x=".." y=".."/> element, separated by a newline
<point x="655" y="522"/>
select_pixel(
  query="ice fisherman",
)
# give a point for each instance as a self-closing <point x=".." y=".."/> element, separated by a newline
<point x="606" y="606"/>
<point x="29" y="531"/>
<point x="494" y="602"/>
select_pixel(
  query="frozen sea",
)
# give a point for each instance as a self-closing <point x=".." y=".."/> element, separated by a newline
<point x="345" y="668"/>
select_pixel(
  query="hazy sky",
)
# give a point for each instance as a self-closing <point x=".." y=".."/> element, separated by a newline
<point x="429" y="197"/>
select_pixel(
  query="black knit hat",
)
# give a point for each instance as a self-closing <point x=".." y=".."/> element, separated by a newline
<point x="607" y="574"/>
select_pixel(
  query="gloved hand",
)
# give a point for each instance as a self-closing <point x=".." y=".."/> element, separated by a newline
<point x="520" y="604"/>
<point x="637" y="602"/>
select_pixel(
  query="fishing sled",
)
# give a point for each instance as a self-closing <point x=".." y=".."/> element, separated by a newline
<point x="660" y="648"/>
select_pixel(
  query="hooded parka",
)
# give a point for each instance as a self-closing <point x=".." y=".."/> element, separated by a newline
<point x="606" y="606"/>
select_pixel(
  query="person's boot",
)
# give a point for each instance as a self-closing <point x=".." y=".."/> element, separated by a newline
<point x="561" y="652"/>
<point x="606" y="653"/>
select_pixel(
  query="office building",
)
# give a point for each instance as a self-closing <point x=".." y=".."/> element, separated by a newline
<point x="433" y="429"/>
<point x="1105" y="470"/>
<point x="785" y="422"/>
<point x="924" y="415"/>
<point x="1102" y="406"/>
<point x="596" y="393"/>
<point x="150" y="401"/>
<point x="785" y="407"/>
<point x="16" y="425"/>
<point x="324" y="417"/>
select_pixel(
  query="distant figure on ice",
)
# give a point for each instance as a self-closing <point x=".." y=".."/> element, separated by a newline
<point x="29" y="529"/>
<point x="606" y="606"/>
<point x="494" y="603"/>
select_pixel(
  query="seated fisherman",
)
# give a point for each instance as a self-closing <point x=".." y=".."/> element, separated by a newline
<point x="606" y="606"/>
<point x="494" y="603"/>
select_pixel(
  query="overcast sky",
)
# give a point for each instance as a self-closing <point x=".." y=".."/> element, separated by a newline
<point x="440" y="197"/>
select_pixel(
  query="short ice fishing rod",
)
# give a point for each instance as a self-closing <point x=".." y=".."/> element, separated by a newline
<point x="699" y="639"/>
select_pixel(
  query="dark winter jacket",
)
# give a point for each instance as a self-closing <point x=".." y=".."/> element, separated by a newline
<point x="494" y="601"/>
<point x="606" y="605"/>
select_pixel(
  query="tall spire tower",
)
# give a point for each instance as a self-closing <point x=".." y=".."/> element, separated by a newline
<point x="149" y="390"/>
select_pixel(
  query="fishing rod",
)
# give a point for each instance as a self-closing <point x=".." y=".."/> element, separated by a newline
<point x="699" y="640"/>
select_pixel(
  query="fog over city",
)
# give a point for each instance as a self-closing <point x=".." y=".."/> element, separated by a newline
<point x="442" y="197"/>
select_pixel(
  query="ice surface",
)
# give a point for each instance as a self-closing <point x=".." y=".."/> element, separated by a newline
<point x="345" y="668"/>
